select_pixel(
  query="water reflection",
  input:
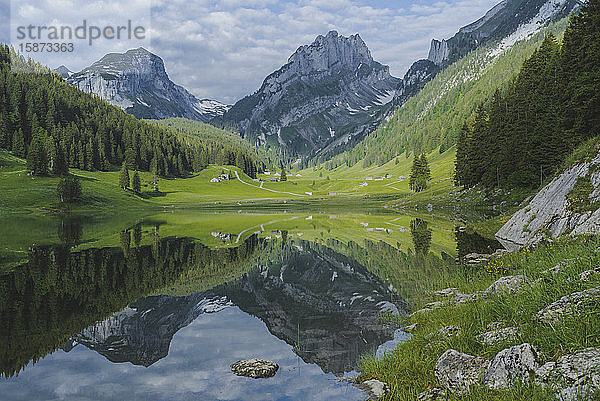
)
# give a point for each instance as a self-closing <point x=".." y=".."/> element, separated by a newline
<point x="162" y="318"/>
<point x="421" y="236"/>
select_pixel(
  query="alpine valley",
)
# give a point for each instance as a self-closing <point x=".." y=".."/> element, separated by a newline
<point x="340" y="233"/>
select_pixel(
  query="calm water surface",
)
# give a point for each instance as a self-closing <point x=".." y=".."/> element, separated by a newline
<point x="159" y="309"/>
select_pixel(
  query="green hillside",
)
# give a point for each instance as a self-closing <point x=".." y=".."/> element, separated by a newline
<point x="433" y="117"/>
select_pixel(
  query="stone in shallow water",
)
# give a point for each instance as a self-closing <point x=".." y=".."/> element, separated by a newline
<point x="374" y="388"/>
<point x="457" y="371"/>
<point x="255" y="368"/>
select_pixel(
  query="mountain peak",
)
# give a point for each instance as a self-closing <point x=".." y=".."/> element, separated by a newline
<point x="328" y="93"/>
<point x="137" y="82"/>
<point x="331" y="52"/>
<point x="63" y="71"/>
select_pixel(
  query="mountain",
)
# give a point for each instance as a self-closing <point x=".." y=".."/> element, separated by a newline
<point x="328" y="93"/>
<point x="137" y="82"/>
<point x="64" y="71"/>
<point x="435" y="100"/>
<point x="507" y="22"/>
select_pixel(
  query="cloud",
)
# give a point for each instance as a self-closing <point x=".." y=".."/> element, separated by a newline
<point x="224" y="49"/>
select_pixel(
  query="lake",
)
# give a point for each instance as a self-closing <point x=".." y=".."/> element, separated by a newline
<point x="158" y="307"/>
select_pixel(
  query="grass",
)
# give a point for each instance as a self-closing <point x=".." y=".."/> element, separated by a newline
<point x="23" y="193"/>
<point x="409" y="369"/>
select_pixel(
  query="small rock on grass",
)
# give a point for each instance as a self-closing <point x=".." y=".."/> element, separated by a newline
<point x="508" y="285"/>
<point x="375" y="389"/>
<point x="457" y="371"/>
<point x="576" y="303"/>
<point x="590" y="275"/>
<point x="410" y="328"/>
<point x="446" y="292"/>
<point x="432" y="394"/>
<point x="449" y="331"/>
<point x="499" y="335"/>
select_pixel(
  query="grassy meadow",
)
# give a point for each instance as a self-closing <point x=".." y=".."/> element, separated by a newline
<point x="409" y="369"/>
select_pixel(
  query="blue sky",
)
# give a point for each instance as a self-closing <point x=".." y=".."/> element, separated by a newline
<point x="224" y="49"/>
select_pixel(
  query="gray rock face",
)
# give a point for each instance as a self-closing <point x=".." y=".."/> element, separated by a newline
<point x="255" y="368"/>
<point x="457" y="371"/>
<point x="512" y="365"/>
<point x="64" y="71"/>
<point x="438" y="51"/>
<point x="137" y="82"/>
<point x="498" y="336"/>
<point x="508" y="285"/>
<point x="573" y="304"/>
<point x="501" y="21"/>
<point x="328" y="93"/>
<point x="375" y="389"/>
<point x="572" y="375"/>
<point x="548" y="212"/>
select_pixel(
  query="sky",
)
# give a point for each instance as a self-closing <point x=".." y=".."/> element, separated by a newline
<point x="224" y="49"/>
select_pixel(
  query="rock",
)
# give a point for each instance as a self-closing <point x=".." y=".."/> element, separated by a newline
<point x="496" y="326"/>
<point x="433" y="394"/>
<point x="255" y="368"/>
<point x="449" y="331"/>
<point x="315" y="95"/>
<point x="460" y="298"/>
<point x="457" y="371"/>
<point x="497" y="336"/>
<point x="548" y="212"/>
<point x="410" y="328"/>
<point x="512" y="365"/>
<point x="446" y="292"/>
<point x="580" y="368"/>
<point x="428" y="308"/>
<point x="590" y="275"/>
<point x="575" y="393"/>
<point x="508" y="284"/>
<point x="375" y="389"/>
<point x="573" y="304"/>
<point x="559" y="267"/>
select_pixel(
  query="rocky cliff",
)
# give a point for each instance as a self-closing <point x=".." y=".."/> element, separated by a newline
<point x="506" y="23"/>
<point x="567" y="205"/>
<point x="328" y="93"/>
<point x="137" y="82"/>
<point x="509" y="20"/>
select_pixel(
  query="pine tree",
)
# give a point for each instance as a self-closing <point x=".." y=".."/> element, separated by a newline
<point x="124" y="177"/>
<point x="135" y="183"/>
<point x="69" y="189"/>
